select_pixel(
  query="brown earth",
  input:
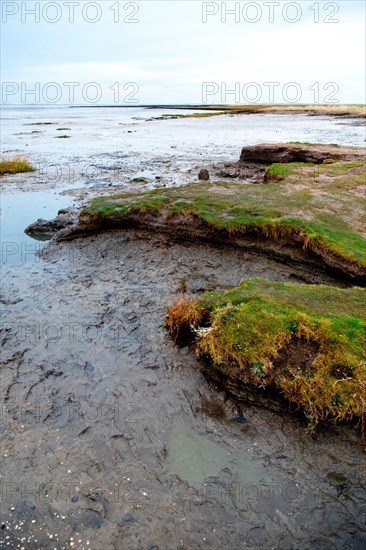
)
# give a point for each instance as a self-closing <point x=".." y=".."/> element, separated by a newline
<point x="294" y="152"/>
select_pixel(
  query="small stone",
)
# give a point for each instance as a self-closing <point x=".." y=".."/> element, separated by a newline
<point x="74" y="498"/>
<point x="204" y="175"/>
<point x="240" y="418"/>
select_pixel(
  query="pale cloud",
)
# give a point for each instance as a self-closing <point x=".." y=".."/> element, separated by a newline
<point x="171" y="52"/>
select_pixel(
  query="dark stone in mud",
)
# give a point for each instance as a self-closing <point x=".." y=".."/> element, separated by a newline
<point x="139" y="180"/>
<point x="45" y="228"/>
<point x="204" y="175"/>
<point x="336" y="476"/>
<point x="53" y="372"/>
<point x="74" y="499"/>
<point x="240" y="418"/>
<point x="299" y="152"/>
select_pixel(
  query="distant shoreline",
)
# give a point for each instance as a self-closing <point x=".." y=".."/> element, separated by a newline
<point x="357" y="111"/>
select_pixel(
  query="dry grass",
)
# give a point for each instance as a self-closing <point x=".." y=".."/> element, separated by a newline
<point x="184" y="317"/>
<point x="15" y="166"/>
<point x="332" y="110"/>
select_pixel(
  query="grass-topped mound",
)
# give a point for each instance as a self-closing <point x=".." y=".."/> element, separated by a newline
<point x="317" y="153"/>
<point x="302" y="342"/>
<point x="320" y="207"/>
<point x="15" y="166"/>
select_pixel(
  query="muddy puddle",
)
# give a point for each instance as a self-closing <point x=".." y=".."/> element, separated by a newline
<point x="195" y="458"/>
<point x="20" y="210"/>
<point x="112" y="438"/>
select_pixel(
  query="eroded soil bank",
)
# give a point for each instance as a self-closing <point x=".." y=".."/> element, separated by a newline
<point x="190" y="229"/>
<point x="113" y="438"/>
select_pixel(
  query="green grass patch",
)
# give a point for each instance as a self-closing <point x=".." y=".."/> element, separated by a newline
<point x="287" y="169"/>
<point x="62" y="137"/>
<point x="15" y="166"/>
<point x="305" y="342"/>
<point x="341" y="168"/>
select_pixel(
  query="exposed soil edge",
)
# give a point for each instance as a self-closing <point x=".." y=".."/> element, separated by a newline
<point x="244" y="393"/>
<point x="291" y="250"/>
<point x="239" y="384"/>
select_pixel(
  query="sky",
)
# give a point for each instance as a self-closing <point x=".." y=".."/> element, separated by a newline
<point x="184" y="51"/>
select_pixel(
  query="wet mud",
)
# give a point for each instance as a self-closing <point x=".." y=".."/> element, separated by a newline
<point x="113" y="438"/>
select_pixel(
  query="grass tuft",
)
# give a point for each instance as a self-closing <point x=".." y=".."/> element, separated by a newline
<point x="15" y="166"/>
<point x="303" y="342"/>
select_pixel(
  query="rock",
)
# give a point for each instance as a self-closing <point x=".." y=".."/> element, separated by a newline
<point x="204" y="175"/>
<point x="337" y="475"/>
<point x="139" y="180"/>
<point x="53" y="372"/>
<point x="240" y="418"/>
<point x="45" y="228"/>
<point x="299" y="152"/>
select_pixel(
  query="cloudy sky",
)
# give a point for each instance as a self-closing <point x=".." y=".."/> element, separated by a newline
<point x="183" y="51"/>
